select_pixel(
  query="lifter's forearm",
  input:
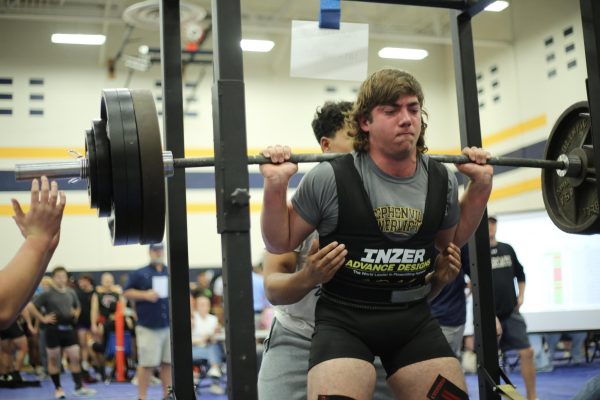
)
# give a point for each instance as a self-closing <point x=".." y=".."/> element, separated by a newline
<point x="472" y="206"/>
<point x="275" y="218"/>
<point x="436" y="287"/>
<point x="284" y="288"/>
<point x="16" y="285"/>
<point x="135" y="294"/>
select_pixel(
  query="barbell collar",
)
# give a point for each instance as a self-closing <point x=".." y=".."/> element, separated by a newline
<point x="168" y="163"/>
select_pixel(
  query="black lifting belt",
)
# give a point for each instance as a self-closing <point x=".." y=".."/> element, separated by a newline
<point x="374" y="297"/>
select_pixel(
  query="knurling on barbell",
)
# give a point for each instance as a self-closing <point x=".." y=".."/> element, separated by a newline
<point x="125" y="165"/>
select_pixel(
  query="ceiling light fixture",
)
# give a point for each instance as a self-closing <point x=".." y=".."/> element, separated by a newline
<point x="402" y="53"/>
<point x="262" y="46"/>
<point x="497" y="6"/>
<point x="68" y="38"/>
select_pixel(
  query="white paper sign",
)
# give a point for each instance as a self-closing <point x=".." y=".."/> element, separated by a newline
<point x="160" y="284"/>
<point x="340" y="54"/>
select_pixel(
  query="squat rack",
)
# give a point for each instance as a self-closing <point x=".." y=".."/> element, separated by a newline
<point x="231" y="185"/>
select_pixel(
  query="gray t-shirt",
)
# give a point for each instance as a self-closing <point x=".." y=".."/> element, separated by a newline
<point x="300" y="317"/>
<point x="398" y="203"/>
<point x="59" y="302"/>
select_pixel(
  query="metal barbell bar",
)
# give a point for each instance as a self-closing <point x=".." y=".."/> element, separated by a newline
<point x="78" y="168"/>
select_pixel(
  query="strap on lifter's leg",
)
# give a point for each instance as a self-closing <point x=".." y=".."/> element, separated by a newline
<point x="443" y="389"/>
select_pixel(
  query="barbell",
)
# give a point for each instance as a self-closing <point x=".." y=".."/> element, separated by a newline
<point x="125" y="166"/>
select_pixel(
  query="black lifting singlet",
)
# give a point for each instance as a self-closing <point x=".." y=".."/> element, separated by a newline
<point x="379" y="272"/>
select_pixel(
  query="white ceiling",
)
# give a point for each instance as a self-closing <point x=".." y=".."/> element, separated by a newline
<point x="274" y="16"/>
<point x="261" y="19"/>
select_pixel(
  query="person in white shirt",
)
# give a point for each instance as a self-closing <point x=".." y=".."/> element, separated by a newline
<point x="205" y="346"/>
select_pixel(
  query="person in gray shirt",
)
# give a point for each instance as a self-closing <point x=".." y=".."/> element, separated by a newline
<point x="386" y="208"/>
<point x="61" y="310"/>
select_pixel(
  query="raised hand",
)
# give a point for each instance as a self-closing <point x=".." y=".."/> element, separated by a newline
<point x="43" y="218"/>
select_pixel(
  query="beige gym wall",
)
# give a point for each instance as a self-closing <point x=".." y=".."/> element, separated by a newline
<point x="278" y="110"/>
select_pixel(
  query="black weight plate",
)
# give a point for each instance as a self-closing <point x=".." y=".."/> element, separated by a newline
<point x="134" y="178"/>
<point x="119" y="218"/>
<point x="103" y="168"/>
<point x="92" y="181"/>
<point x="572" y="209"/>
<point x="152" y="168"/>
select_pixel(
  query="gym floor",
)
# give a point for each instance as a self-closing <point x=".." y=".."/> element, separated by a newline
<point x="561" y="384"/>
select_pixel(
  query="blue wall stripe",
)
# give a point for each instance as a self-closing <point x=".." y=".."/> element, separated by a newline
<point x="33" y="96"/>
<point x="36" y="81"/>
<point x="6" y="81"/>
<point x="5" y="111"/>
<point x="194" y="180"/>
<point x="34" y="111"/>
<point x="206" y="180"/>
<point x="6" y="96"/>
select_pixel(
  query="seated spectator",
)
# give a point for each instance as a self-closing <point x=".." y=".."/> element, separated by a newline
<point x="544" y="358"/>
<point x="205" y="346"/>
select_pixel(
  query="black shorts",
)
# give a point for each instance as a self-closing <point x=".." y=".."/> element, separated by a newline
<point x="514" y="333"/>
<point x="399" y="337"/>
<point x="82" y="326"/>
<point x="60" y="336"/>
<point x="12" y="332"/>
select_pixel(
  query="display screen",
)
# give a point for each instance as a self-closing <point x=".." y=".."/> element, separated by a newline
<point x="562" y="272"/>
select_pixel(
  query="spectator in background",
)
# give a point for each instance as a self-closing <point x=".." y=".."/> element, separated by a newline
<point x="104" y="301"/>
<point x="85" y="291"/>
<point x="203" y="284"/>
<point x="217" y="299"/>
<point x="33" y="343"/>
<point x="505" y="268"/>
<point x="40" y="227"/>
<point x="205" y="345"/>
<point x="104" y="305"/>
<point x="14" y="349"/>
<point x="38" y="335"/>
<point x="148" y="288"/>
<point x="102" y="341"/>
<point x="260" y="301"/>
<point x="449" y="307"/>
<point x="62" y="309"/>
